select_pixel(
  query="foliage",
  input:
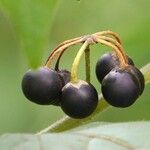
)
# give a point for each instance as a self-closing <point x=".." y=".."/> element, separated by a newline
<point x="118" y="136"/>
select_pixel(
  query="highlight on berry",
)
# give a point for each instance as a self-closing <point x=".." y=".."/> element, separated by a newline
<point x="121" y="81"/>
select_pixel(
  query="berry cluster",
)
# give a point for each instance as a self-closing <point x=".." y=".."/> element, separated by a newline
<point x="120" y="86"/>
<point x="121" y="82"/>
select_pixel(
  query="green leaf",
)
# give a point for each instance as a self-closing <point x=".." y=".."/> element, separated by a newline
<point x="32" y="21"/>
<point x="95" y="136"/>
<point x="146" y="71"/>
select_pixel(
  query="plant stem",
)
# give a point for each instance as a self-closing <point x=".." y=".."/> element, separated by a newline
<point x="64" y="45"/>
<point x="59" y="49"/>
<point x="76" y="62"/>
<point x="87" y="64"/>
<point x="112" y="41"/>
<point x="146" y="71"/>
<point x="121" y="56"/>
<point x="115" y="35"/>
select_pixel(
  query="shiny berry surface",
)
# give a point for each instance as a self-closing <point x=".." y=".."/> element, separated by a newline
<point x="106" y="63"/>
<point x="120" y="87"/>
<point x="65" y="78"/>
<point x="79" y="100"/>
<point x="42" y="86"/>
<point x="138" y="74"/>
<point x="65" y="75"/>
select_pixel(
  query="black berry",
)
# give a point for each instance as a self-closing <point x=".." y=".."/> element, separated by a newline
<point x="79" y="100"/>
<point x="65" y="78"/>
<point x="120" y="87"/>
<point x="42" y="86"/>
<point x="106" y="63"/>
<point x="139" y="76"/>
<point x="65" y="75"/>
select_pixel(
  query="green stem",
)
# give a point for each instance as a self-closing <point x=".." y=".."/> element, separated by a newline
<point x="76" y="62"/>
<point x="146" y="71"/>
<point x="121" y="55"/>
<point x="87" y="64"/>
<point x="67" y="123"/>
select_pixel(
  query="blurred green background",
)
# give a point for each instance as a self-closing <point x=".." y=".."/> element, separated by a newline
<point x="29" y="30"/>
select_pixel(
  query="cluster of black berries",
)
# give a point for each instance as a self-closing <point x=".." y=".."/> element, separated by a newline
<point x="120" y="86"/>
<point x="46" y="86"/>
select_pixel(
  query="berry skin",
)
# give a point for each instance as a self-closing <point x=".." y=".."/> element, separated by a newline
<point x="106" y="63"/>
<point x="65" y="78"/>
<point x="79" y="100"/>
<point x="120" y="87"/>
<point x="138" y="74"/>
<point x="42" y="86"/>
<point x="65" y="75"/>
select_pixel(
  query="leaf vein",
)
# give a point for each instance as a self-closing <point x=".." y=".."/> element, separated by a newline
<point x="111" y="139"/>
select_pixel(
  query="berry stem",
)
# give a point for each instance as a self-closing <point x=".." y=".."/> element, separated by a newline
<point x="61" y="48"/>
<point x="76" y="62"/>
<point x="83" y="39"/>
<point x="146" y="71"/>
<point x="58" y="60"/>
<point x="115" y="35"/>
<point x="87" y="64"/>
<point x="108" y="39"/>
<point x="121" y="57"/>
<point x="64" y="45"/>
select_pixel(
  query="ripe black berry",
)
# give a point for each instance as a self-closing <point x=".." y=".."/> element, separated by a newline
<point x="42" y="86"/>
<point x="79" y="100"/>
<point x="65" y="75"/>
<point x="138" y="74"/>
<point x="106" y="63"/>
<point x="65" y="78"/>
<point x="120" y="87"/>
